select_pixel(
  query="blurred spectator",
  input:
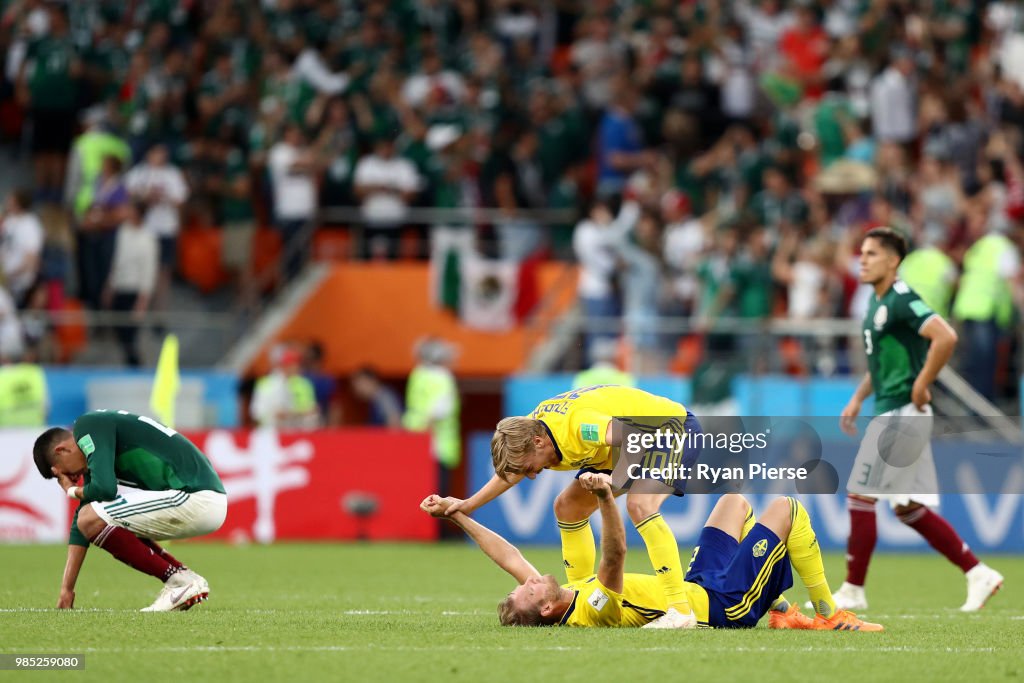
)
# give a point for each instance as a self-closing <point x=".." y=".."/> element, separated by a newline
<point x="21" y="245"/>
<point x="161" y="188"/>
<point x="88" y="153"/>
<point x="893" y="103"/>
<point x="600" y="57"/>
<point x="432" y="404"/>
<point x="595" y="243"/>
<point x="284" y="398"/>
<point x="324" y="384"/>
<point x="620" y="144"/>
<point x="12" y="339"/>
<point x="641" y="293"/>
<point x="603" y="369"/>
<point x="239" y="221"/>
<point x="133" y="277"/>
<point x="98" y="229"/>
<point x="385" y="185"/>
<point x="293" y="168"/>
<point x="984" y="306"/>
<point x="48" y="86"/>
<point x="385" y="405"/>
<point x="685" y="241"/>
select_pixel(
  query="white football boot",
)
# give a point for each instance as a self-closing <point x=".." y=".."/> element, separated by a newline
<point x="673" y="619"/>
<point x="982" y="583"/>
<point x="180" y="592"/>
<point x="850" y="597"/>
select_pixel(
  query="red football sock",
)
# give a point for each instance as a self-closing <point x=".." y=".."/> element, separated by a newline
<point x="156" y="548"/>
<point x="127" y="547"/>
<point x="861" y="543"/>
<point x="941" y="536"/>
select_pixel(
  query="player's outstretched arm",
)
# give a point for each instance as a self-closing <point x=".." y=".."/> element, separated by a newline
<point x="613" y="534"/>
<point x="501" y="552"/>
<point x="76" y="556"/>
<point x="491" y="490"/>
<point x="943" y="340"/>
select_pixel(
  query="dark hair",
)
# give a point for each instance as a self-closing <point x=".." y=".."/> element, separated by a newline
<point x="23" y="198"/>
<point x="42" y="451"/>
<point x="367" y="371"/>
<point x="890" y="239"/>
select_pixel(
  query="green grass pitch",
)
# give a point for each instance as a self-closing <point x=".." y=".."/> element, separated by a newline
<point x="396" y="612"/>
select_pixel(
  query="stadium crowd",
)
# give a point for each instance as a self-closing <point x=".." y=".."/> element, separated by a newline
<point x="724" y="156"/>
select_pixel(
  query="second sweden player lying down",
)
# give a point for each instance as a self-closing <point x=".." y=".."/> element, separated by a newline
<point x="738" y="564"/>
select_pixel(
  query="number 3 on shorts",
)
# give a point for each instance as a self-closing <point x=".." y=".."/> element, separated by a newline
<point x="867" y="342"/>
<point x="865" y="474"/>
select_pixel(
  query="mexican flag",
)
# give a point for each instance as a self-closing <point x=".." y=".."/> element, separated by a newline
<point x="492" y="295"/>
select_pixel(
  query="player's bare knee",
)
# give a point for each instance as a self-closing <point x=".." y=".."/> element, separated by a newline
<point x="640" y="507"/>
<point x="734" y="504"/>
<point x="571" y="506"/>
<point x="777" y="517"/>
<point x="89" y="523"/>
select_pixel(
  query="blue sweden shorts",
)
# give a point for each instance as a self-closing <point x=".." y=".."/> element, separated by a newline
<point x="742" y="579"/>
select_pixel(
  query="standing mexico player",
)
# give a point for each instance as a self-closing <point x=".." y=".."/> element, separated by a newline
<point x="174" y="493"/>
<point x="907" y="344"/>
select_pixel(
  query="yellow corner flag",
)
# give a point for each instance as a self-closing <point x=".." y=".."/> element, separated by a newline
<point x="165" y="383"/>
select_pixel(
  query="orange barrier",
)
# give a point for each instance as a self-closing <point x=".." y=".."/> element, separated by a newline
<point x="373" y="314"/>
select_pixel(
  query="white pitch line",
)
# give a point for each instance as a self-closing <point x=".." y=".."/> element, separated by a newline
<point x="498" y="648"/>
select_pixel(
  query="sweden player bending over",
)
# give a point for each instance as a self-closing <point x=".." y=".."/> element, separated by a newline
<point x="174" y="493"/>
<point x="582" y="430"/>
<point x="736" y="568"/>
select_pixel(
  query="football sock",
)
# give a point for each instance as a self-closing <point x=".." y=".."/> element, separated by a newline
<point x="664" y="554"/>
<point x="861" y="543"/>
<point x="156" y="548"/>
<point x="748" y="524"/>
<point x="781" y="604"/>
<point x="126" y="546"/>
<point x="805" y="555"/>
<point x="578" y="549"/>
<point x="941" y="536"/>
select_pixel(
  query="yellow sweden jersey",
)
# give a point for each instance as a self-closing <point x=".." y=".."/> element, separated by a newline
<point x="577" y="421"/>
<point x="641" y="601"/>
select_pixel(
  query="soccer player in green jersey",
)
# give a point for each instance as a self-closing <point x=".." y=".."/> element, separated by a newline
<point x="907" y="344"/>
<point x="169" y="491"/>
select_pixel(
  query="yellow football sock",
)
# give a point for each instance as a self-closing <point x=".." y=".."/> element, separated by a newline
<point x="805" y="555"/>
<point x="578" y="549"/>
<point x="664" y="554"/>
<point x="748" y="524"/>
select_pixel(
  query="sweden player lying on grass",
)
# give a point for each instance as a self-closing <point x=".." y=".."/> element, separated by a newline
<point x="729" y="583"/>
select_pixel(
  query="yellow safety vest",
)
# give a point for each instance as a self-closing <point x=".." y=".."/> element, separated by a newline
<point x="22" y="396"/>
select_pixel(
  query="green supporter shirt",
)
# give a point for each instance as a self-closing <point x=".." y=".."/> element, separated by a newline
<point x="50" y="82"/>
<point x="140" y="452"/>
<point x="894" y="345"/>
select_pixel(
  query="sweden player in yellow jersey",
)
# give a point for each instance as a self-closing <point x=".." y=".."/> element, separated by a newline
<point x="736" y="567"/>
<point x="582" y="430"/>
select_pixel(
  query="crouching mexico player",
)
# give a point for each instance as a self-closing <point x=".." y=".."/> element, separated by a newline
<point x="174" y="493"/>
<point x="736" y="568"/>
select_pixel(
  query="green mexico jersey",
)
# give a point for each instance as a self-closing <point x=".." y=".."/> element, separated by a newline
<point x="896" y="350"/>
<point x="140" y="452"/>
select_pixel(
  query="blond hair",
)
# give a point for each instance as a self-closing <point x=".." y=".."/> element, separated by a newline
<point x="512" y="441"/>
<point x="508" y="615"/>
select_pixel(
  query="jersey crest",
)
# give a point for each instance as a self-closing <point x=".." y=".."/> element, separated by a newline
<point x="881" y="317"/>
<point x="760" y="548"/>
